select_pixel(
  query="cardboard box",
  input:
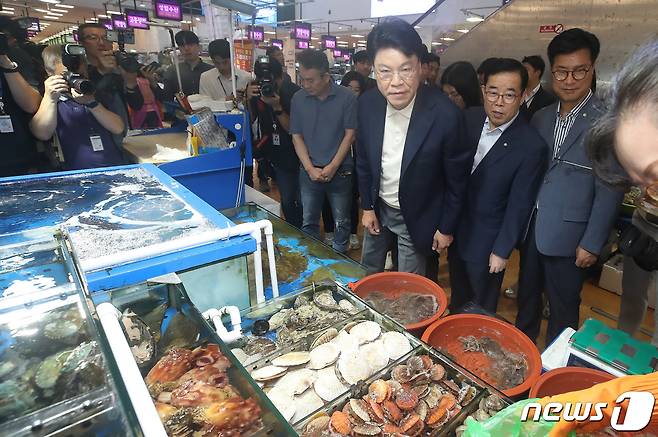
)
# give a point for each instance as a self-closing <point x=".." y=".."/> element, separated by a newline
<point x="611" y="274"/>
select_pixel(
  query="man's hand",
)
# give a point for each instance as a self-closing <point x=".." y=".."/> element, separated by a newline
<point x="441" y="241"/>
<point x="253" y="90"/>
<point x="107" y="60"/>
<point x="328" y="172"/>
<point x="273" y="101"/>
<point x="315" y="174"/>
<point x="129" y="78"/>
<point x="585" y="259"/>
<point x="496" y="263"/>
<point x="82" y="99"/>
<point x="55" y="86"/>
<point x="5" y="62"/>
<point x="370" y="222"/>
<point x="149" y="73"/>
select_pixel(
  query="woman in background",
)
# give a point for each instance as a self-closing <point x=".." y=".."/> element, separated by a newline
<point x="460" y="83"/>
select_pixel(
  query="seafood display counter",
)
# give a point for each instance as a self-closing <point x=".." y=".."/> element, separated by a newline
<point x="193" y="381"/>
<point x="301" y="260"/>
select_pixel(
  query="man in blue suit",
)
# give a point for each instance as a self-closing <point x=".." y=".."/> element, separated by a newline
<point x="574" y="211"/>
<point x="509" y="162"/>
<point x="412" y="162"/>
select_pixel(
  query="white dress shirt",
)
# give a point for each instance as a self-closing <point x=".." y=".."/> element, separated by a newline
<point x="217" y="87"/>
<point x="488" y="138"/>
<point x="528" y="100"/>
<point x="395" y="136"/>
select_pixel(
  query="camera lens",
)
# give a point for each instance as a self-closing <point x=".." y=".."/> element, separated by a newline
<point x="76" y="82"/>
<point x="267" y="89"/>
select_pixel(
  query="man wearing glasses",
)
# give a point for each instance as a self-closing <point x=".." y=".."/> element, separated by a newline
<point x="322" y="124"/>
<point x="412" y="161"/>
<point x="509" y="162"/>
<point x="574" y="211"/>
<point x="115" y="88"/>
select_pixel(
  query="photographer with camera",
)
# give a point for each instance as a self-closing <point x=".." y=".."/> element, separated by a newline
<point x="116" y="88"/>
<point x="217" y="83"/>
<point x="18" y="101"/>
<point x="269" y="99"/>
<point x="84" y="127"/>
<point x="150" y="114"/>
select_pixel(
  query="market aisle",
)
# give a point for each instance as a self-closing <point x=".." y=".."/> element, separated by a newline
<point x="592" y="295"/>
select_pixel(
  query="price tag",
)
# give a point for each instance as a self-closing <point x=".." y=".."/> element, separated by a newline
<point x="276" y="139"/>
<point x="96" y="143"/>
<point x="6" y="127"/>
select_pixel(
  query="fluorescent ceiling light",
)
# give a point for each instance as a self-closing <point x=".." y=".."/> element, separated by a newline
<point x="198" y="19"/>
<point x="90" y="21"/>
<point x="463" y="30"/>
<point x="102" y="16"/>
<point x="142" y="5"/>
<point x="114" y="13"/>
<point x="363" y="41"/>
<point x="7" y="12"/>
<point x="281" y="4"/>
<point x="434" y="43"/>
<point x="52" y="2"/>
<point x="474" y="19"/>
<point x="51" y="17"/>
<point x="65" y="6"/>
<point x="447" y="38"/>
<point x="357" y="36"/>
<point x="55" y="14"/>
<point x="340" y="27"/>
<point x="63" y="11"/>
<point x="417" y="27"/>
<point x="7" y="8"/>
<point x="315" y="38"/>
<point x="45" y="11"/>
<point x="269" y="32"/>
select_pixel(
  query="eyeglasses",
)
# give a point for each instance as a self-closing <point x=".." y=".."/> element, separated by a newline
<point x="405" y="73"/>
<point x="493" y="96"/>
<point x="579" y="74"/>
<point x="96" y="38"/>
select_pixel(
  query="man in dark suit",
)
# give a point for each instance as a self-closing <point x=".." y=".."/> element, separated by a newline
<point x="574" y="211"/>
<point x="510" y="158"/>
<point x="536" y="96"/>
<point x="363" y="66"/>
<point x="412" y="162"/>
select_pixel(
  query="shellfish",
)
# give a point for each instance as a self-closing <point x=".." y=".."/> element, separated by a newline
<point x="327" y="385"/>
<point x="340" y="423"/>
<point x="307" y="403"/>
<point x="375" y="356"/>
<point x="396" y="344"/>
<point x="268" y="373"/>
<point x="352" y="367"/>
<point x="325" y="337"/>
<point x="323" y="355"/>
<point x="291" y="359"/>
<point x="366" y="332"/>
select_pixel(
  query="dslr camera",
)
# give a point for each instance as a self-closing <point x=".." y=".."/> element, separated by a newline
<point x="127" y="62"/>
<point x="264" y="77"/>
<point x="72" y="55"/>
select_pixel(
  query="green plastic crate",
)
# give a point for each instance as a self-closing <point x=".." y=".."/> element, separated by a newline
<point x="615" y="348"/>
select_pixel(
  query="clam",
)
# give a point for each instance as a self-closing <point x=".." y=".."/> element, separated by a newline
<point x="481" y="415"/>
<point x="292" y="359"/>
<point x="459" y="431"/>
<point x="422" y="409"/>
<point x="268" y="373"/>
<point x="415" y="365"/>
<point x="396" y="344"/>
<point x="323" y="355"/>
<point x="437" y="372"/>
<point x="328" y="386"/>
<point x="366" y="331"/>
<point x="379" y="391"/>
<point x="340" y="423"/>
<point x="325" y="337"/>
<point x="347" y="306"/>
<point x="494" y="403"/>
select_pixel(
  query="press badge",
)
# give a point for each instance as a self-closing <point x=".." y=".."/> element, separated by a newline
<point x="276" y="139"/>
<point x="96" y="143"/>
<point x="6" y="127"/>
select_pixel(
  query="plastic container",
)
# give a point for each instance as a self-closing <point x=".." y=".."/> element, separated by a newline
<point x="567" y="379"/>
<point x="394" y="284"/>
<point x="444" y="334"/>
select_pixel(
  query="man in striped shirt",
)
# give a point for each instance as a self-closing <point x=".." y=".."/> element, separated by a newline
<point x="575" y="210"/>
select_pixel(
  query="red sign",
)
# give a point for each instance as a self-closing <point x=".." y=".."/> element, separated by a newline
<point x="551" y="28"/>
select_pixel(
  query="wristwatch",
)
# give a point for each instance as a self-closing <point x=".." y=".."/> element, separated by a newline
<point x="92" y="104"/>
<point x="13" y="69"/>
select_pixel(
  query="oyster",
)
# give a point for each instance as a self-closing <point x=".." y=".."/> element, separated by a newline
<point x="301" y="300"/>
<point x="325" y="300"/>
<point x="396" y="344"/>
<point x="328" y="386"/>
<point x="317" y="426"/>
<point x="140" y="339"/>
<point x="323" y="355"/>
<point x="494" y="403"/>
<point x="366" y="331"/>
<point x="291" y="359"/>
<point x="50" y="370"/>
<point x="258" y="345"/>
<point x="180" y="332"/>
<point x="347" y="306"/>
<point x="325" y="337"/>
<point x="268" y="373"/>
<point x="281" y="318"/>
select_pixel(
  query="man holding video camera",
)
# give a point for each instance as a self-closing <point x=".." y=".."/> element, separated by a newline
<point x="116" y="88"/>
<point x="269" y="99"/>
<point x="18" y="101"/>
<point x="84" y="127"/>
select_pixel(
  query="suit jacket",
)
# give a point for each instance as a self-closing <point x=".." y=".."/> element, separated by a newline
<point x="574" y="207"/>
<point x="541" y="100"/>
<point x="501" y="191"/>
<point x="435" y="163"/>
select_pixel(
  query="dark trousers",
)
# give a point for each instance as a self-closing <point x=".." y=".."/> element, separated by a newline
<point x="562" y="282"/>
<point x="472" y="282"/>
<point x="328" y="217"/>
<point x="432" y="269"/>
<point x="291" y="201"/>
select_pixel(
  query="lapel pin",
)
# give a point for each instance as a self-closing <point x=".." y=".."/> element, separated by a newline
<point x="504" y="144"/>
<point x="584" y="114"/>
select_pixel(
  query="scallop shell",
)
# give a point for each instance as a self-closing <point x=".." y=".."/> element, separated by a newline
<point x="268" y="373"/>
<point x="367" y="429"/>
<point x="347" y="306"/>
<point x="292" y="359"/>
<point x="283" y="402"/>
<point x="360" y="408"/>
<point x="375" y="355"/>
<point x="353" y="368"/>
<point x="325" y="337"/>
<point x="346" y="343"/>
<point x="396" y="344"/>
<point x="367" y="331"/>
<point x="328" y="386"/>
<point x="297" y="381"/>
<point x="306" y="404"/>
<point x="323" y="355"/>
<point x="317" y="425"/>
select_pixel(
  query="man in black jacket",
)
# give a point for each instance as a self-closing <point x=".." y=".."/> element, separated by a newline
<point x="509" y="162"/>
<point x="536" y="96"/>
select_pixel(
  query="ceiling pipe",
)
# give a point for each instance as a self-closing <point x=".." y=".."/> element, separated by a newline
<point x="429" y="11"/>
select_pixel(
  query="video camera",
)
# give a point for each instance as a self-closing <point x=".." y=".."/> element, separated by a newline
<point x="128" y="62"/>
<point x="72" y="56"/>
<point x="264" y="77"/>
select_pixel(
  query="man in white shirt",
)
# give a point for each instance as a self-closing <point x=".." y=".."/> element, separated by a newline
<point x="536" y="96"/>
<point x="507" y="169"/>
<point x="217" y="83"/>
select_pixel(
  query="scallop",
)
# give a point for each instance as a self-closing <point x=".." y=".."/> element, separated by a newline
<point x="353" y="368"/>
<point x="346" y="343"/>
<point x="283" y="402"/>
<point x="306" y="404"/>
<point x="292" y="359"/>
<point x="296" y="381"/>
<point x="396" y="344"/>
<point x="328" y="386"/>
<point x="325" y="337"/>
<point x="367" y="331"/>
<point x="323" y="355"/>
<point x="375" y="355"/>
<point x="268" y="373"/>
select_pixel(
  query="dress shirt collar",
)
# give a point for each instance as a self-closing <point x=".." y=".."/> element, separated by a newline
<point x="533" y="92"/>
<point x="405" y="112"/>
<point x="577" y="108"/>
<point x="501" y="128"/>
